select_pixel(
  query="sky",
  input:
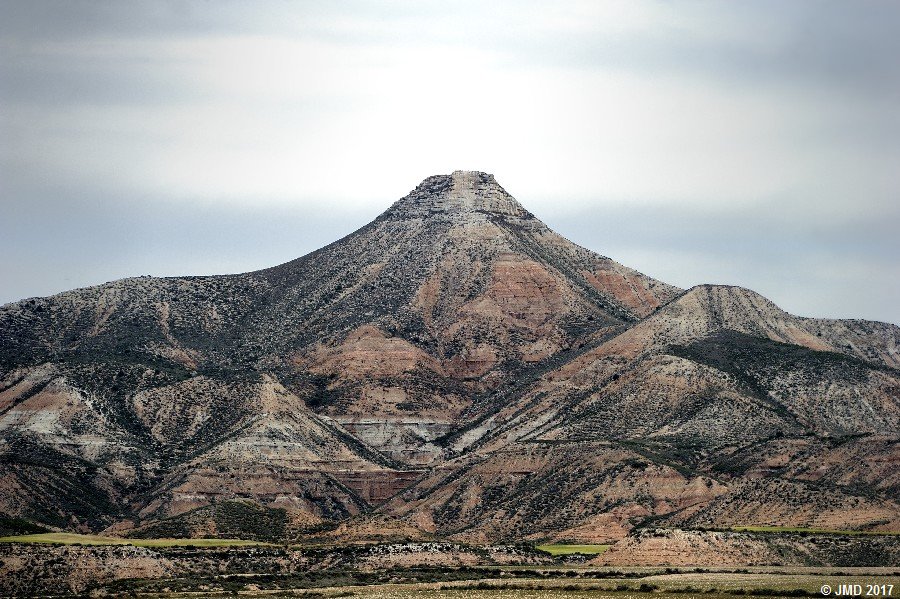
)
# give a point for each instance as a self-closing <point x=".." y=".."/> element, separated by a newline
<point x="743" y="143"/>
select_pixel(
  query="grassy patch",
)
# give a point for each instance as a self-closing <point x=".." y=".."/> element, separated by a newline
<point x="561" y="549"/>
<point x="65" y="538"/>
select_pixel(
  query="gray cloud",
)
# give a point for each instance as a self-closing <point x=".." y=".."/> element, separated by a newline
<point x="745" y="143"/>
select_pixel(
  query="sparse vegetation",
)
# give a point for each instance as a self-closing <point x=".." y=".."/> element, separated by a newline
<point x="66" y="538"/>
<point x="19" y="526"/>
<point x="779" y="529"/>
<point x="229" y="519"/>
<point x="565" y="549"/>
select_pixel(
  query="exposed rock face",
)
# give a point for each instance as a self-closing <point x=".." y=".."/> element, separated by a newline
<point x="540" y="489"/>
<point x="457" y="196"/>
<point x="455" y="364"/>
<point x="376" y="486"/>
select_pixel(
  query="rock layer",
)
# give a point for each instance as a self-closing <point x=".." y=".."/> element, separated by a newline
<point x="454" y="364"/>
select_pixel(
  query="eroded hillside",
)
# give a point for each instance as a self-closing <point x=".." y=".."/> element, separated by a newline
<point x="458" y="367"/>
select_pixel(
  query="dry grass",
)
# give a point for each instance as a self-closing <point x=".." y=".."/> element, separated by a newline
<point x="65" y="538"/>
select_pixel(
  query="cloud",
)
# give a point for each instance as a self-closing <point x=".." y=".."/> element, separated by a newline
<point x="780" y="114"/>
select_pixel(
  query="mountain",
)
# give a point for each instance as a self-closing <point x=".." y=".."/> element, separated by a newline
<point x="454" y="366"/>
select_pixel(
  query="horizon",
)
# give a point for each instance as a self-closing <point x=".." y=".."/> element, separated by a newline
<point x="339" y="221"/>
<point x="180" y="139"/>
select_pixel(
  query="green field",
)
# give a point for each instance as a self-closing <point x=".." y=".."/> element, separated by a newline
<point x="562" y="549"/>
<point x="65" y="538"/>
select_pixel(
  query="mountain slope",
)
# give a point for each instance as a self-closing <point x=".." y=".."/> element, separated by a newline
<point x="453" y="364"/>
<point x="720" y="387"/>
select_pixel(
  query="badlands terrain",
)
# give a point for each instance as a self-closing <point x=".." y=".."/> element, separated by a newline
<point x="454" y="371"/>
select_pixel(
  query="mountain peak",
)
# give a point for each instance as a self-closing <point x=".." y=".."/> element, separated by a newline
<point x="461" y="192"/>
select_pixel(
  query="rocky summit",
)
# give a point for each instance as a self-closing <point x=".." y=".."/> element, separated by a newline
<point x="454" y="369"/>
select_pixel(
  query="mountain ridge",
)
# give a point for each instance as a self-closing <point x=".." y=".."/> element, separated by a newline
<point x="450" y="364"/>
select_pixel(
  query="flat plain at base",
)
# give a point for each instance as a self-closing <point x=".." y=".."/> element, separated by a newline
<point x="66" y="538"/>
<point x="683" y="585"/>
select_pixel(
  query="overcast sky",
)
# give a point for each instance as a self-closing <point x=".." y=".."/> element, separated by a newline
<point x="747" y="143"/>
